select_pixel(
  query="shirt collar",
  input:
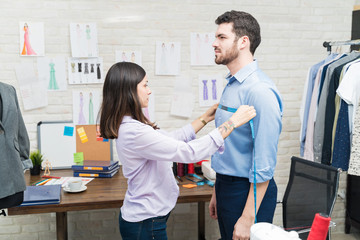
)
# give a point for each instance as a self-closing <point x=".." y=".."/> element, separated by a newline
<point x="127" y="118"/>
<point x="243" y="73"/>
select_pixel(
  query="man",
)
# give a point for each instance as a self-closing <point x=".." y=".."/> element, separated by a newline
<point x="14" y="149"/>
<point x="232" y="203"/>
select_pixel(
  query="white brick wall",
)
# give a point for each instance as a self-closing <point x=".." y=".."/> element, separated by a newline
<point x="292" y="35"/>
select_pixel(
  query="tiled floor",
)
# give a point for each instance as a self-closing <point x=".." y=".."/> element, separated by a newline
<point x="343" y="236"/>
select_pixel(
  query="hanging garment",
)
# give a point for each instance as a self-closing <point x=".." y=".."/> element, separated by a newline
<point x="341" y="153"/>
<point x="306" y="100"/>
<point x="354" y="164"/>
<point x="309" y="136"/>
<point x="349" y="90"/>
<point x="330" y="113"/>
<point x="321" y="110"/>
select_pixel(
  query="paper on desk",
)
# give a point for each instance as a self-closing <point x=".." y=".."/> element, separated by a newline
<point x="64" y="180"/>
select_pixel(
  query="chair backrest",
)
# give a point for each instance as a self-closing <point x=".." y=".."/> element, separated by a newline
<point x="312" y="188"/>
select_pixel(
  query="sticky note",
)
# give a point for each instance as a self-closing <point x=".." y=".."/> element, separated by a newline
<point x="98" y="138"/>
<point x="82" y="135"/>
<point x="68" y="131"/>
<point x="79" y="158"/>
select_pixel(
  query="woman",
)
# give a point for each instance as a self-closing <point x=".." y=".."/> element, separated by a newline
<point x="146" y="152"/>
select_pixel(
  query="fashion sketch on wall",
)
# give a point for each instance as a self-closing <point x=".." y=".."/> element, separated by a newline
<point x="86" y="105"/>
<point x="32" y="39"/>
<point x="33" y="92"/>
<point x="167" y="58"/>
<point x="182" y="101"/>
<point x="51" y="72"/>
<point x="210" y="90"/>
<point x="83" y="38"/>
<point x="85" y="70"/>
<point x="128" y="56"/>
<point x="202" y="52"/>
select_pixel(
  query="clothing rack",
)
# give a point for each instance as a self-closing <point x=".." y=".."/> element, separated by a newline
<point x="328" y="45"/>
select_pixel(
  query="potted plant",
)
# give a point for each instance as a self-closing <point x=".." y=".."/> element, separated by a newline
<point x="36" y="158"/>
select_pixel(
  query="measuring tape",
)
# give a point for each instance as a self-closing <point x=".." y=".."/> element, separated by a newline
<point x="233" y="110"/>
<point x="201" y="181"/>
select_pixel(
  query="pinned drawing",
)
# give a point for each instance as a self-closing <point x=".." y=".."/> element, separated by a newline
<point x="31" y="39"/>
<point x="32" y="91"/>
<point x="83" y="38"/>
<point x="182" y="102"/>
<point x="202" y="52"/>
<point x="51" y="72"/>
<point x="210" y="88"/>
<point x="85" y="70"/>
<point x="128" y="56"/>
<point x="86" y="105"/>
<point x="167" y="58"/>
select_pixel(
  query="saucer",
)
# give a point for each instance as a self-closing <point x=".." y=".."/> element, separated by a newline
<point x="67" y="189"/>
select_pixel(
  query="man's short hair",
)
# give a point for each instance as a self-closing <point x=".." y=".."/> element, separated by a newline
<point x="244" y="24"/>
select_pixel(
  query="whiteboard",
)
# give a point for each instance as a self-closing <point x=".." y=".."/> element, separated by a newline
<point x="58" y="148"/>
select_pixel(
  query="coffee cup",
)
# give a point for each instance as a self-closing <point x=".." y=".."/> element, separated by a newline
<point x="75" y="185"/>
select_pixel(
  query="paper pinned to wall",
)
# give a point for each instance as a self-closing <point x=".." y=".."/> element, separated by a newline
<point x="32" y="41"/>
<point x="167" y="58"/>
<point x="86" y="105"/>
<point x="182" y="102"/>
<point x="202" y="51"/>
<point x="33" y="92"/>
<point x="210" y="89"/>
<point x="128" y="56"/>
<point x="85" y="70"/>
<point x="51" y="73"/>
<point x="84" y="42"/>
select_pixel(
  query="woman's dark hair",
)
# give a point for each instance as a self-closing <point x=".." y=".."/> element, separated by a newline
<point x="244" y="24"/>
<point x="120" y="98"/>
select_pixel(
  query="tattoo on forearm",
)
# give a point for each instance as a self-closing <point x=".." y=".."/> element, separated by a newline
<point x="226" y="127"/>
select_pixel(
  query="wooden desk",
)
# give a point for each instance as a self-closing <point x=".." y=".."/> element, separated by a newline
<point x="104" y="193"/>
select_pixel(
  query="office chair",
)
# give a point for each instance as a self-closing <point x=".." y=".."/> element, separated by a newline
<point x="312" y="188"/>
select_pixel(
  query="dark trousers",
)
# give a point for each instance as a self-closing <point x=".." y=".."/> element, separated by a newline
<point x="152" y="228"/>
<point x="231" y="196"/>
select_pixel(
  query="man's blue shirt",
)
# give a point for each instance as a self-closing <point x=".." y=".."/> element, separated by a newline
<point x="250" y="86"/>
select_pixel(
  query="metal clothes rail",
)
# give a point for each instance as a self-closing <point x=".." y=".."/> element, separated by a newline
<point x="328" y="45"/>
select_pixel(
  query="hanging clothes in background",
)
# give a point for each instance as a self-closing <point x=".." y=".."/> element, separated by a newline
<point x="327" y="112"/>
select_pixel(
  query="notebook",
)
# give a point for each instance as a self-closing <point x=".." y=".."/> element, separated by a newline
<point x="105" y="168"/>
<point x="40" y="195"/>
<point x="96" y="174"/>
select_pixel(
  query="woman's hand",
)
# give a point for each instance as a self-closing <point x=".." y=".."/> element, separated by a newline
<point x="241" y="116"/>
<point x="209" y="115"/>
<point x="244" y="114"/>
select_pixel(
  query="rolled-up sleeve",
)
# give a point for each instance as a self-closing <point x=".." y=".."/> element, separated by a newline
<point x="267" y="128"/>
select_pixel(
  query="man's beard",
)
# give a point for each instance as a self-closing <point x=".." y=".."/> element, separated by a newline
<point x="229" y="56"/>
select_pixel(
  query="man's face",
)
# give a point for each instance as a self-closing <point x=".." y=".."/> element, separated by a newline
<point x="225" y="46"/>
